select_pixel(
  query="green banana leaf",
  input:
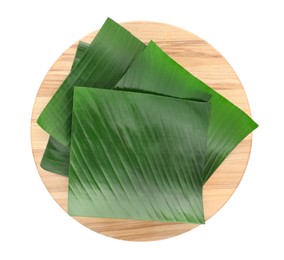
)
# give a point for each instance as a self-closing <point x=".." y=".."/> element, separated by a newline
<point x="56" y="155"/>
<point x="81" y="49"/>
<point x="155" y="71"/>
<point x="137" y="156"/>
<point x="102" y="65"/>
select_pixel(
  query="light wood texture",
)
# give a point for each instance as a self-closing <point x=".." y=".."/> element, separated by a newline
<point x="203" y="61"/>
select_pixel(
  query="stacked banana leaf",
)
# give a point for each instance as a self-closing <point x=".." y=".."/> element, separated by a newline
<point x="136" y="133"/>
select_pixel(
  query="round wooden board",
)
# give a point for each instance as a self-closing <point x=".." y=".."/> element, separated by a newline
<point x="203" y="61"/>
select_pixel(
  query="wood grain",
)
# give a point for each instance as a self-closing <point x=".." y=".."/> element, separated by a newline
<point x="203" y="61"/>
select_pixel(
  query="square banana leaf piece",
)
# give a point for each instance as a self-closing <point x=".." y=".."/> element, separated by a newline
<point x="137" y="156"/>
<point x="102" y="65"/>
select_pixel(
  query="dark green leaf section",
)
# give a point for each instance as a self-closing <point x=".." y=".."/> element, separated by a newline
<point x="102" y="65"/>
<point x="154" y="70"/>
<point x="56" y="155"/>
<point x="137" y="156"/>
<point x="81" y="49"/>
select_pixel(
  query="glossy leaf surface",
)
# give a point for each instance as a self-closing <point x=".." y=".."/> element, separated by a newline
<point x="102" y="65"/>
<point x="137" y="156"/>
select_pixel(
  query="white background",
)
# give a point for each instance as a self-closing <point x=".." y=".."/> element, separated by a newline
<point x="249" y="34"/>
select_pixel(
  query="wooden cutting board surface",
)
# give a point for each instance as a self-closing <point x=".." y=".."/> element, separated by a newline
<point x="203" y="61"/>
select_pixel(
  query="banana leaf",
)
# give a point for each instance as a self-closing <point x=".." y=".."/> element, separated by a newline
<point x="102" y="65"/>
<point x="81" y="49"/>
<point x="154" y="70"/>
<point x="56" y="155"/>
<point x="137" y="156"/>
